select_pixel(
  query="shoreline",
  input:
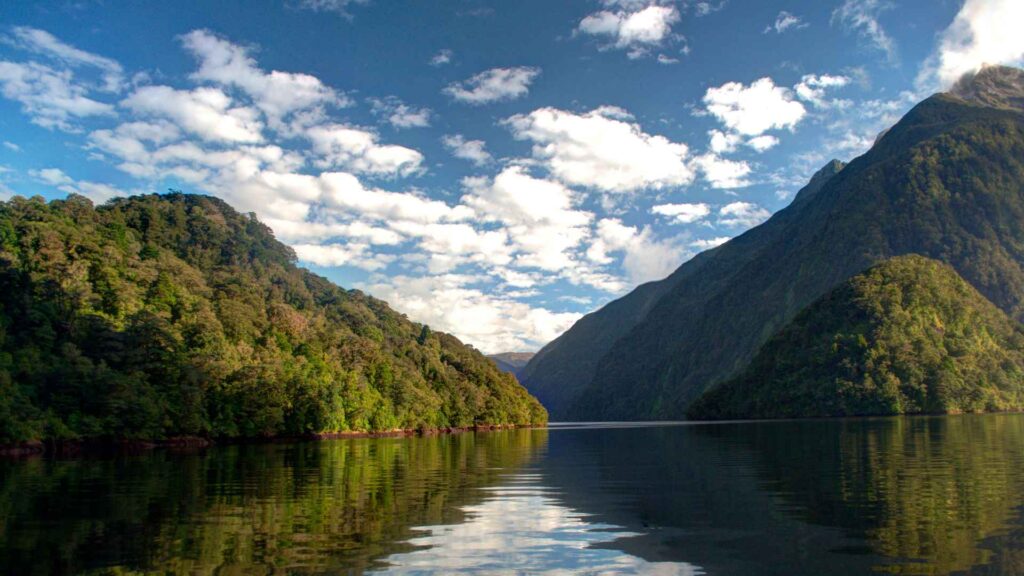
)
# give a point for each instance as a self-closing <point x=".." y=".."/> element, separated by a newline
<point x="72" y="448"/>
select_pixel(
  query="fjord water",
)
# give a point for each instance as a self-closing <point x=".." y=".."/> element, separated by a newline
<point x="896" y="495"/>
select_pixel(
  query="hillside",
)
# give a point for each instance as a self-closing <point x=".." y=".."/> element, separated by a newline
<point x="511" y="362"/>
<point x="907" y="336"/>
<point x="165" y="315"/>
<point x="947" y="182"/>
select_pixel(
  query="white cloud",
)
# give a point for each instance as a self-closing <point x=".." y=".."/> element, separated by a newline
<point x="443" y="56"/>
<point x="602" y="149"/>
<point x="785" y="21"/>
<point x="400" y="114"/>
<point x="52" y="98"/>
<point x="812" y="88"/>
<point x="983" y="32"/>
<point x="755" y="109"/>
<point x="98" y="192"/>
<point x="339" y="7"/>
<point x="537" y="214"/>
<point x="683" y="213"/>
<point x="723" y="173"/>
<point x="644" y="257"/>
<point x="492" y="321"/>
<point x="206" y="112"/>
<point x="277" y="94"/>
<point x="742" y="215"/>
<point x="12" y="146"/>
<point x="46" y="44"/>
<point x="473" y="150"/>
<point x="763" y="143"/>
<point x="861" y="16"/>
<point x="635" y="30"/>
<point x="707" y="243"/>
<point x="664" y="59"/>
<point x="350" y="254"/>
<point x="340" y="146"/>
<point x="494" y="85"/>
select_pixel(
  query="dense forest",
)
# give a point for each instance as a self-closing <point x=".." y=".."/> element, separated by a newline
<point x="165" y="315"/>
<point x="907" y="336"/>
<point x="946" y="182"/>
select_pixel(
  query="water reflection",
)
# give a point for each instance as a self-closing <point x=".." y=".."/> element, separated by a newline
<point x="902" y="496"/>
<point x="520" y="527"/>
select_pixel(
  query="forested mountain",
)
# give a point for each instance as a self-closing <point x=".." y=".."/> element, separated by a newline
<point x="511" y="362"/>
<point x="947" y="182"/>
<point x="907" y="336"/>
<point x="164" y="315"/>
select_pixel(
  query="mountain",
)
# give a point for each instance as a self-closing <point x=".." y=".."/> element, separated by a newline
<point x="907" y="336"/>
<point x="947" y="182"/>
<point x="511" y="362"/>
<point x="167" y="315"/>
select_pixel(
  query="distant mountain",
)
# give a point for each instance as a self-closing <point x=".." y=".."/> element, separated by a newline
<point x="165" y="315"/>
<point x="947" y="182"/>
<point x="908" y="336"/>
<point x="511" y="362"/>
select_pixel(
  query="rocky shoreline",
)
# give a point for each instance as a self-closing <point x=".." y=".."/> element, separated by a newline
<point x="187" y="443"/>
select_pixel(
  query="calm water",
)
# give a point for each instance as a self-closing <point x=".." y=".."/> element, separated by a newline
<point x="901" y="496"/>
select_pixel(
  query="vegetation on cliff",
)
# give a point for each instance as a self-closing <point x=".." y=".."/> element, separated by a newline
<point x="907" y="336"/>
<point x="165" y="315"/>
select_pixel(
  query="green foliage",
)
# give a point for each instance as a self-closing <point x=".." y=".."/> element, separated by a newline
<point x="157" y="316"/>
<point x="907" y="336"/>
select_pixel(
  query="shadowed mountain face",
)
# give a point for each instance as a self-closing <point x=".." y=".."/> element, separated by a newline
<point x="946" y="182"/>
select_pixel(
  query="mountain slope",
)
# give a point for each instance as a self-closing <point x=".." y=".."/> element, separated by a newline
<point x="511" y="362"/>
<point x="907" y="336"/>
<point x="563" y="369"/>
<point x="156" y="316"/>
<point x="947" y="182"/>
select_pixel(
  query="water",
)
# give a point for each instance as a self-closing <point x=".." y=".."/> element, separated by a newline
<point x="901" y="495"/>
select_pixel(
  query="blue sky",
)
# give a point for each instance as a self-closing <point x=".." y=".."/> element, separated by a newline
<point x="496" y="169"/>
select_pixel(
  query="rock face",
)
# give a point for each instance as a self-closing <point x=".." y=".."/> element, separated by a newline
<point x="907" y="336"/>
<point x="947" y="182"/>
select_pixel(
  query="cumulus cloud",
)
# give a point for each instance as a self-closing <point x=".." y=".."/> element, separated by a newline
<point x="340" y="146"/>
<point x="277" y="94"/>
<point x="350" y="254"/>
<point x="602" y="149"/>
<point x="494" y="85"/>
<point x="861" y="17"/>
<point x="538" y="215"/>
<point x="473" y="150"/>
<point x="400" y="114"/>
<point x="722" y="172"/>
<point x="683" y="213"/>
<point x="983" y="32"/>
<point x="492" y="321"/>
<point x="206" y="112"/>
<point x="785" y="21"/>
<point x="645" y="258"/>
<point x="742" y="215"/>
<point x="753" y="110"/>
<point x="636" y="29"/>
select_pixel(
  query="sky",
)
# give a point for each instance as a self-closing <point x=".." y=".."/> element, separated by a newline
<point x="494" y="169"/>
